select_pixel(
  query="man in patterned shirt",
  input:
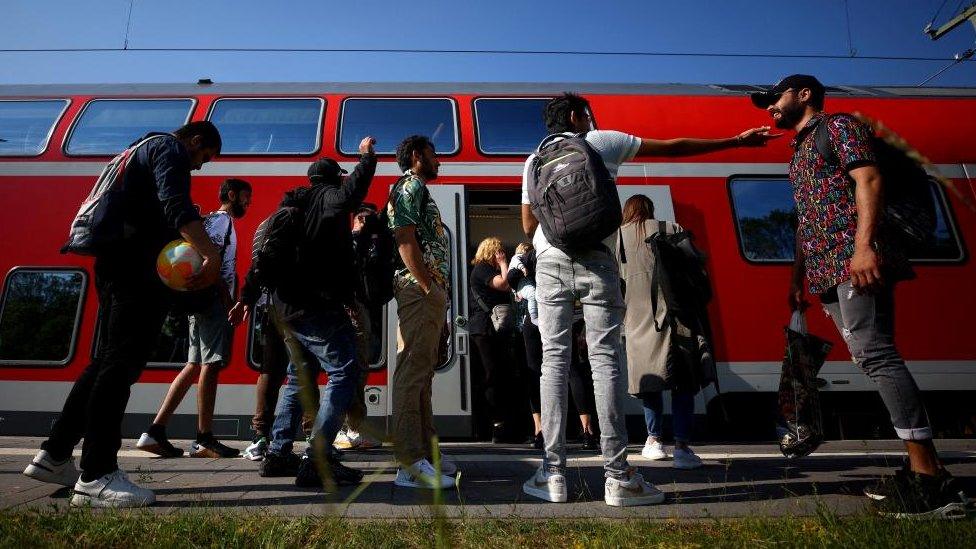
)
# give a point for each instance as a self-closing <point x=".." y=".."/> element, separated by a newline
<point x="420" y="286"/>
<point x="842" y="250"/>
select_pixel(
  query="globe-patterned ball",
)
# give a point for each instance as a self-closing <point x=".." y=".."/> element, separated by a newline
<point x="176" y="263"/>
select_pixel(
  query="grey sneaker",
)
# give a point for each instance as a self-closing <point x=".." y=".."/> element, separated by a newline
<point x="547" y="485"/>
<point x="633" y="491"/>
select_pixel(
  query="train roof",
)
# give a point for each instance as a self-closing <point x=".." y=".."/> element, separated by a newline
<point x="445" y="88"/>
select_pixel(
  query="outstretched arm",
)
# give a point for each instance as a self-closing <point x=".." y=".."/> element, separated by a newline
<point x="687" y="146"/>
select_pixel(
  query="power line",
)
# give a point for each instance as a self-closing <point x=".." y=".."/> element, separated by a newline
<point x="480" y="52"/>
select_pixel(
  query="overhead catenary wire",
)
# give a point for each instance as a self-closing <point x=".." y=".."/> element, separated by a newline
<point x="478" y="52"/>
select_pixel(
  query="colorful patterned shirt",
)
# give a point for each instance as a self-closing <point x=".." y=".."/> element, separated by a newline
<point x="825" y="200"/>
<point x="405" y="209"/>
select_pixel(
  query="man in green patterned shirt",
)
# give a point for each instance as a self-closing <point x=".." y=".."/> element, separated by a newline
<point x="421" y="289"/>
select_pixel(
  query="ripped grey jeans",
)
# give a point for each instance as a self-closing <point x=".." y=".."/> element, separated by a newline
<point x="867" y="323"/>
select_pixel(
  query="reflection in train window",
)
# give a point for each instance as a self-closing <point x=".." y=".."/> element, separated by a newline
<point x="765" y="219"/>
<point x="268" y="126"/>
<point x="108" y="126"/>
<point x="390" y="120"/>
<point x="39" y="316"/>
<point x="509" y="126"/>
<point x="173" y="344"/>
<point x="26" y="126"/>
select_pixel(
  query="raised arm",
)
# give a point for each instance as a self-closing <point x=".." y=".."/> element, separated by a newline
<point x="687" y="146"/>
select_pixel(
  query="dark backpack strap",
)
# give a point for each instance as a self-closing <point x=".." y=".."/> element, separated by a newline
<point x="662" y="227"/>
<point x="822" y="141"/>
<point x="620" y="245"/>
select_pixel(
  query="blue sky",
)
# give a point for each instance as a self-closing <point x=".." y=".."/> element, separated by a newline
<point x="732" y="41"/>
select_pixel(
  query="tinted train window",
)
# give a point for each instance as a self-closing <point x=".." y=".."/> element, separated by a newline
<point x="108" y="126"/>
<point x="39" y="316"/>
<point x="26" y="126"/>
<point x="390" y="120"/>
<point x="766" y="222"/>
<point x="268" y="126"/>
<point x="765" y="218"/>
<point x="509" y="126"/>
<point x="172" y="347"/>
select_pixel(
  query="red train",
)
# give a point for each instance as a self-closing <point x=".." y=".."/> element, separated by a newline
<point x="54" y="140"/>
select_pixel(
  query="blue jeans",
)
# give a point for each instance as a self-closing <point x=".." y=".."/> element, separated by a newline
<point x="290" y="414"/>
<point x="682" y="414"/>
<point x="593" y="278"/>
<point x="329" y="339"/>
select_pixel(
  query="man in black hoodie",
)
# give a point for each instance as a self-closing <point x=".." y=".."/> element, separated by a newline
<point x="311" y="304"/>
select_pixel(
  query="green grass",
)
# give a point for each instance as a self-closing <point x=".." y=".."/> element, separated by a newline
<point x="82" y="528"/>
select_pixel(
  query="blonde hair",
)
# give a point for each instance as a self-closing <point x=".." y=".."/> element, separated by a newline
<point x="523" y="248"/>
<point x="487" y="250"/>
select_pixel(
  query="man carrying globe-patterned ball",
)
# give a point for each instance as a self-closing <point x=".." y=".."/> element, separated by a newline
<point x="154" y="208"/>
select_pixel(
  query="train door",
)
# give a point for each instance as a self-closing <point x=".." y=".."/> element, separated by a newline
<point x="451" y="390"/>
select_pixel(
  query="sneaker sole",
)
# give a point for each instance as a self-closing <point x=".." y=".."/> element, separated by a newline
<point x="654" y="457"/>
<point x="414" y="484"/>
<point x="634" y="501"/>
<point x="43" y="474"/>
<point x="687" y="466"/>
<point x="84" y="500"/>
<point x="160" y="451"/>
<point x="252" y="457"/>
<point x="529" y="488"/>
<point x="950" y="511"/>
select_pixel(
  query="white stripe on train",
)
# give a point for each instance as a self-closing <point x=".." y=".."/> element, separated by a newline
<point x="448" y="169"/>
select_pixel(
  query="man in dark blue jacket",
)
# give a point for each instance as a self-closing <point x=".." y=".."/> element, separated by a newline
<point x="156" y="208"/>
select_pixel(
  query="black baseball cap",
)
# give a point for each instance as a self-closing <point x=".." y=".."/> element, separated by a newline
<point x="325" y="170"/>
<point x="795" y="81"/>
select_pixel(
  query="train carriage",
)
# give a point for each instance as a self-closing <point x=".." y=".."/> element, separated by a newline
<point x="54" y="140"/>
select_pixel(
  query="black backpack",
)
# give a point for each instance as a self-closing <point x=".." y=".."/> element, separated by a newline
<point x="910" y="211"/>
<point x="275" y="254"/>
<point x="375" y="249"/>
<point x="679" y="273"/>
<point x="572" y="193"/>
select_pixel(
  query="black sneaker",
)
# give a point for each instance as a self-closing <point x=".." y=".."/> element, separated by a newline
<point x="590" y="442"/>
<point x="537" y="441"/>
<point x="212" y="448"/>
<point x="157" y="443"/>
<point x="923" y="497"/>
<point x="889" y="485"/>
<point x="279" y="465"/>
<point x="308" y="474"/>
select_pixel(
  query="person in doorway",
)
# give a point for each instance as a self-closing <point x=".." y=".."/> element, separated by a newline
<point x="421" y="290"/>
<point x="209" y="340"/>
<point x="647" y="346"/>
<point x="132" y="302"/>
<point x="490" y="292"/>
<point x="848" y="257"/>
<point x="591" y="276"/>
<point x="521" y="278"/>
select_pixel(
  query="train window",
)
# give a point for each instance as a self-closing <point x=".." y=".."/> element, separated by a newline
<point x="509" y="126"/>
<point x="268" y="126"/>
<point x="39" y="316"/>
<point x="108" y="126"/>
<point x="765" y="219"/>
<point x="26" y="126"/>
<point x="390" y="120"/>
<point x="172" y="347"/>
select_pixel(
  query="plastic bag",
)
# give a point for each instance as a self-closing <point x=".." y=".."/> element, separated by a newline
<point x="800" y="425"/>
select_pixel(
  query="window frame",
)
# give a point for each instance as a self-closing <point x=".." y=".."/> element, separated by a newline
<point x="947" y="210"/>
<point x="74" y="123"/>
<point x="76" y="327"/>
<point x="50" y="131"/>
<point x="440" y="154"/>
<point x="318" y="127"/>
<point x="477" y="123"/>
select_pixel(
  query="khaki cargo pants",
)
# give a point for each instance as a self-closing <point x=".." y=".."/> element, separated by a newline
<point x="421" y="318"/>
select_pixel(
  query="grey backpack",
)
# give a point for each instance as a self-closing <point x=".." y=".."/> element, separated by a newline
<point x="572" y="193"/>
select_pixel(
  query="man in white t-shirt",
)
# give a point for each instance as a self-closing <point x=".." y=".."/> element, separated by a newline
<point x="592" y="277"/>
<point x="209" y="338"/>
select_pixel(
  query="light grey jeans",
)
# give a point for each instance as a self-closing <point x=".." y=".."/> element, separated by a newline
<point x="867" y="323"/>
<point x="593" y="278"/>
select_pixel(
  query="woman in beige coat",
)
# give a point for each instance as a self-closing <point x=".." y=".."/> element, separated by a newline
<point x="647" y="348"/>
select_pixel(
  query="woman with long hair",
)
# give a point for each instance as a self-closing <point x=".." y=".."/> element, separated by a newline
<point x="647" y="348"/>
<point x="489" y="289"/>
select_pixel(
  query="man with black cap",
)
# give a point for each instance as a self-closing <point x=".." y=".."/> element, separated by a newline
<point x="312" y="304"/>
<point x="843" y="252"/>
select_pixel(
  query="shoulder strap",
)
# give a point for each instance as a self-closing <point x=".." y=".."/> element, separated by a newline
<point x="662" y="227"/>
<point x="822" y="141"/>
<point x="620" y="246"/>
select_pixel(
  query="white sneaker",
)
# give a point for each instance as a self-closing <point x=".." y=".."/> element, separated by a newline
<point x="634" y="491"/>
<point x="45" y="469"/>
<point x="421" y="474"/>
<point x="350" y="439"/>
<point x="113" y="490"/>
<point x="686" y="458"/>
<point x="547" y="486"/>
<point x="257" y="449"/>
<point x="654" y="450"/>
<point x="448" y="466"/>
<point x="344" y="440"/>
